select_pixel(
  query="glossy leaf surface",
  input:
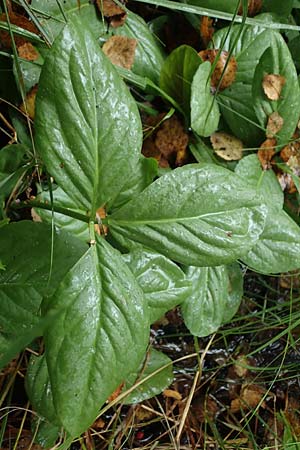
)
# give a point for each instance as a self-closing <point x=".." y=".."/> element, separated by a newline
<point x="214" y="299"/>
<point x="199" y="214"/>
<point x="156" y="384"/>
<point x="87" y="124"/>
<point x="177" y="75"/>
<point x="98" y="339"/>
<point x="26" y="280"/>
<point x="278" y="247"/>
<point x="277" y="60"/>
<point x="205" y="113"/>
<point x="164" y="284"/>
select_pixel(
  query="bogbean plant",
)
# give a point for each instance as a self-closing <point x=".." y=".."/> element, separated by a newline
<point x="91" y="286"/>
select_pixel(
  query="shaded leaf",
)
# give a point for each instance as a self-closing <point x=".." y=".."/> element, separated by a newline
<point x="177" y="75"/>
<point x="214" y="299"/>
<point x="98" y="339"/>
<point x="199" y="214"/>
<point x="81" y="131"/>
<point x="204" y="108"/>
<point x="156" y="384"/>
<point x="163" y="282"/>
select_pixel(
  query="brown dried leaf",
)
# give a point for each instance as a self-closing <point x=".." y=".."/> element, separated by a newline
<point x="286" y="182"/>
<point x="226" y="146"/>
<point x="120" y="50"/>
<point x="275" y="123"/>
<point x="27" y="51"/>
<point x="240" y="368"/>
<point x="168" y="141"/>
<point x="20" y="21"/>
<point x="290" y="280"/>
<point x="113" y="12"/>
<point x="116" y="393"/>
<point x="250" y="397"/>
<point x="206" y="29"/>
<point x="227" y="76"/>
<point x="272" y="85"/>
<point x="266" y="153"/>
<point x="28" y="107"/>
<point x="170" y="393"/>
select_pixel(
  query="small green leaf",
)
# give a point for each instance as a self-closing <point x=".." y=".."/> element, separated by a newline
<point x="156" y="384"/>
<point x="98" y="339"/>
<point x="216" y="296"/>
<point x="277" y="60"/>
<point x="164" y="284"/>
<point x="87" y="124"/>
<point x="278" y="247"/>
<point x="199" y="214"/>
<point x="149" y="55"/>
<point x="205" y="113"/>
<point x="177" y="75"/>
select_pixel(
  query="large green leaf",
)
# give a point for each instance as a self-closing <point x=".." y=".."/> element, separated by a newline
<point x="216" y="296"/>
<point x="177" y="75"/>
<point x="278" y="6"/>
<point x="164" y="284"/>
<point x="39" y="390"/>
<point x="88" y="127"/>
<point x="149" y="56"/>
<point x="155" y="360"/>
<point x="32" y="270"/>
<point x="197" y="214"/>
<point x="278" y="247"/>
<point x="98" y="339"/>
<point x="205" y="113"/>
<point x="277" y="60"/>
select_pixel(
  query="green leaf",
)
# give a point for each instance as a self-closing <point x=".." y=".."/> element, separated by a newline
<point x="88" y="127"/>
<point x="164" y="284"/>
<point x="54" y="15"/>
<point x="277" y="60"/>
<point x="197" y="214"/>
<point x="98" y="339"/>
<point x="38" y="389"/>
<point x="277" y="249"/>
<point x="236" y="101"/>
<point x="156" y="383"/>
<point x="216" y="296"/>
<point x="220" y="5"/>
<point x="149" y="56"/>
<point x="205" y="113"/>
<point x="177" y="75"/>
<point x="30" y="70"/>
<point x="12" y="166"/>
<point x="31" y="271"/>
<point x="278" y="7"/>
<point x="61" y="199"/>
<point x="249" y="169"/>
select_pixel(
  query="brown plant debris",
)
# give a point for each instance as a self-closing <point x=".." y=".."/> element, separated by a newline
<point x="250" y="397"/>
<point x="272" y="85"/>
<point x="220" y="73"/>
<point x="206" y="29"/>
<point x="168" y="141"/>
<point x="274" y="125"/>
<point x="266" y="153"/>
<point x="20" y="21"/>
<point x="28" y="52"/>
<point x="115" y="15"/>
<point x="28" y="107"/>
<point x="120" y="50"/>
<point x="254" y="7"/>
<point x="226" y="146"/>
